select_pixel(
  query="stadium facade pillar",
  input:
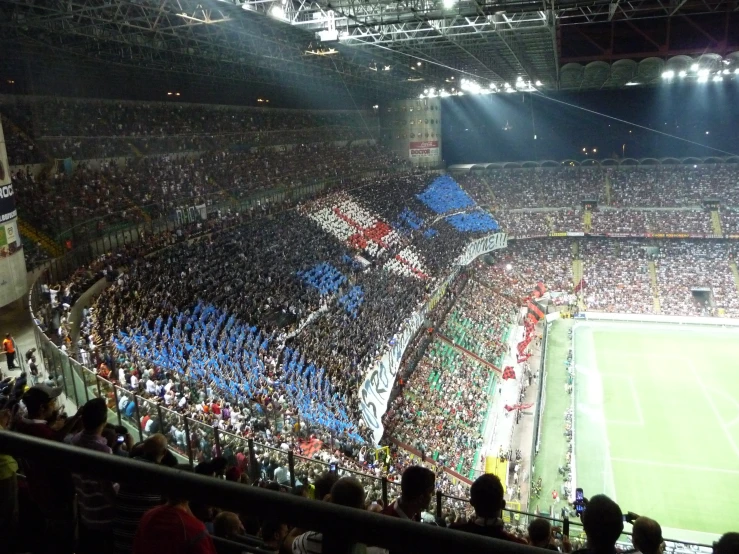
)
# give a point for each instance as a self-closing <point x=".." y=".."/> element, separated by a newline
<point x="13" y="280"/>
<point x="412" y="130"/>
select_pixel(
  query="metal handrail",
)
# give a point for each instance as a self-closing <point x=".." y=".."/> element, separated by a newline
<point x="342" y="527"/>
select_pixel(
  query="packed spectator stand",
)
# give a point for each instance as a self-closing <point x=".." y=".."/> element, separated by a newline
<point x="248" y="336"/>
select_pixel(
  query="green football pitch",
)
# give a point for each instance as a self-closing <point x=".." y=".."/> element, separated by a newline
<point x="657" y="422"/>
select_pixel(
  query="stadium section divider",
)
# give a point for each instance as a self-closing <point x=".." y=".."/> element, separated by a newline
<point x="651" y="318"/>
<point x="374" y="393"/>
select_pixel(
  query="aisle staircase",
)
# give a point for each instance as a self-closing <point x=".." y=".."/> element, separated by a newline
<point x="716" y="223"/>
<point x="608" y="190"/>
<point x="735" y="273"/>
<point x="655" y="287"/>
<point x="577" y="275"/>
<point x="136" y="151"/>
<point x="587" y="221"/>
<point x="39" y="237"/>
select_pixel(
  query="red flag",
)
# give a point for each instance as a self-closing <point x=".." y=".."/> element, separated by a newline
<point x="509" y="373"/>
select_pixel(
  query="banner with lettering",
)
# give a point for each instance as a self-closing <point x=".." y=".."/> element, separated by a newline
<point x="423" y="148"/>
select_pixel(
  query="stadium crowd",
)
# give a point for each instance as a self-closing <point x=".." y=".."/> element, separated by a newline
<point x="42" y="128"/>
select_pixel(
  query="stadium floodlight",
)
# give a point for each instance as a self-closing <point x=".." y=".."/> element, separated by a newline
<point x="449" y="4"/>
<point x="717" y="78"/>
<point x="703" y="73"/>
<point x="695" y="67"/>
<point x="277" y="11"/>
<point x="703" y="79"/>
<point x="421" y="96"/>
<point x="538" y="83"/>
<point x="726" y="72"/>
<point x="425" y="91"/>
<point x="668" y="74"/>
<point x="682" y="74"/>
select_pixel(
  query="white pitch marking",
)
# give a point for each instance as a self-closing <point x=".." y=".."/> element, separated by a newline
<point x="676" y="466"/>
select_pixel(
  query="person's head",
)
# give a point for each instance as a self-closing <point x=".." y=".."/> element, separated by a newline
<point x="349" y="492"/>
<point x="40" y="401"/>
<point x="416" y="489"/>
<point x="486" y="496"/>
<point x="94" y="415"/>
<point x="540" y="532"/>
<point x="727" y="544"/>
<point x="603" y="523"/>
<point x="154" y="448"/>
<point x="227" y="524"/>
<point x="647" y="536"/>
<point x="324" y="483"/>
<point x="273" y="533"/>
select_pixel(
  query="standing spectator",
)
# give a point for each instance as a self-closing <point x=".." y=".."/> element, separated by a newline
<point x="172" y="529"/>
<point x="486" y="497"/>
<point x="603" y="523"/>
<point x="416" y="490"/>
<point x="647" y="536"/>
<point x="95" y="497"/>
<point x="227" y="525"/>
<point x="9" y="349"/>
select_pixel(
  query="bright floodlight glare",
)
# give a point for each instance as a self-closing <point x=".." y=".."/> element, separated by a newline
<point x="682" y="74"/>
<point x="519" y="79"/>
<point x="668" y="74"/>
<point x="703" y="79"/>
<point x="694" y="67"/>
<point x="717" y="78"/>
<point x="425" y="91"/>
<point x="703" y="73"/>
<point x="726" y="71"/>
<point x="277" y="12"/>
<point x="449" y="4"/>
<point x="538" y="83"/>
<point x="508" y="267"/>
<point x="418" y="64"/>
<point x="420" y="96"/>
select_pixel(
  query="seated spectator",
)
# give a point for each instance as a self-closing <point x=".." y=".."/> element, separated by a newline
<point x="541" y="534"/>
<point x="647" y="536"/>
<point x="416" y="492"/>
<point x="347" y="492"/>
<point x="727" y="544"/>
<point x="273" y="534"/>
<point x="227" y="525"/>
<point x="603" y="523"/>
<point x="172" y="529"/>
<point x="486" y="497"/>
<point x="95" y="497"/>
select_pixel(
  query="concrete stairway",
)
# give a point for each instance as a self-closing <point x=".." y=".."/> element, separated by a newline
<point x="716" y="223"/>
<point x="39" y="237"/>
<point x="655" y="286"/>
<point x="735" y="273"/>
<point x="587" y="221"/>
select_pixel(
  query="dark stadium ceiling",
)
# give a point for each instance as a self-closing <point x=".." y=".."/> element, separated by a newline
<point x="385" y="49"/>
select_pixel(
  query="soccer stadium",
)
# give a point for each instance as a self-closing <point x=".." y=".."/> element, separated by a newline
<point x="298" y="277"/>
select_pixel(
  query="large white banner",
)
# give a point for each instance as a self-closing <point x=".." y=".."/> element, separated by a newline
<point x="374" y="394"/>
<point x="483" y="246"/>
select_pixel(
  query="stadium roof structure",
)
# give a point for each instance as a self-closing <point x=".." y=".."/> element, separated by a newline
<point x="387" y="48"/>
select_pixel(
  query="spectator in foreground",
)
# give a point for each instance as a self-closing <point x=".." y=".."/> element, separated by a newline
<point x="727" y="544"/>
<point x="486" y="497"/>
<point x="647" y="536"/>
<point x="95" y="497"/>
<point x="541" y="536"/>
<point x="227" y="525"/>
<point x="416" y="490"/>
<point x="172" y="529"/>
<point x="133" y="499"/>
<point x="348" y="492"/>
<point x="51" y="490"/>
<point x="603" y="523"/>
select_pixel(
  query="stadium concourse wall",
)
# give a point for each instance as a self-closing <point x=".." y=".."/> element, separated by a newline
<point x="374" y="393"/>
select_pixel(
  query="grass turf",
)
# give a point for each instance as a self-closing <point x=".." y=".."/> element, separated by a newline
<point x="657" y="422"/>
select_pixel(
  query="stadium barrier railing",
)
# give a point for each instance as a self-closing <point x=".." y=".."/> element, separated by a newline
<point x="342" y="527"/>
